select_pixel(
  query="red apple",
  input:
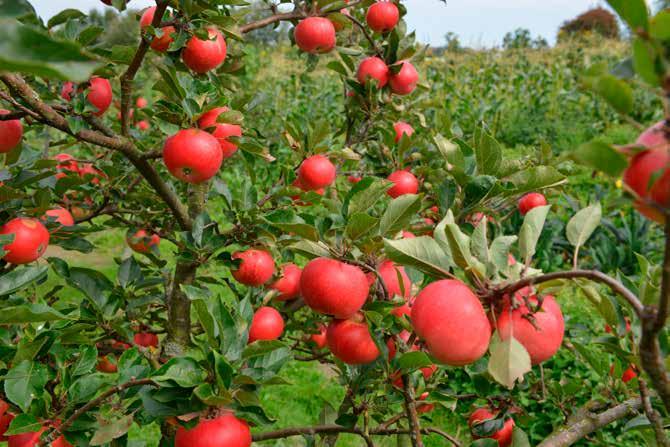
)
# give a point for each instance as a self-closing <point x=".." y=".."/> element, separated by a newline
<point x="629" y="374"/>
<point x="408" y="235"/>
<point x="221" y="130"/>
<point x="653" y="137"/>
<point x="353" y="179"/>
<point x="382" y="16"/>
<point x="541" y="338"/>
<point x="530" y="201"/>
<point x="350" y="341"/>
<point x="373" y="68"/>
<point x="402" y="128"/>
<point x="399" y="311"/>
<point x="333" y="288"/>
<point x="61" y="215"/>
<point x="404" y="183"/>
<point x="225" y="430"/>
<point x="451" y="320"/>
<point x="316" y="172"/>
<point x="141" y="103"/>
<point x="267" y="324"/>
<point x="315" y="35"/>
<point x="5" y="420"/>
<point x="256" y="268"/>
<point x="67" y="163"/>
<point x="106" y="365"/>
<point x="142" y="241"/>
<point x="160" y="44"/>
<point x="288" y="285"/>
<point x="503" y="436"/>
<point x="11" y="132"/>
<point x="87" y="169"/>
<point x="404" y="82"/>
<point x="192" y="155"/>
<point x="395" y="286"/>
<point x="31" y="240"/>
<point x="202" y="56"/>
<point x="319" y="339"/>
<point x="146" y="339"/>
<point x="143" y="125"/>
<point x="100" y="95"/>
<point x="424" y="408"/>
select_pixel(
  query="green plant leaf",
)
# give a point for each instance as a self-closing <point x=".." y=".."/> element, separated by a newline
<point x="519" y="438"/>
<point x="531" y="230"/>
<point x="360" y="224"/>
<point x="602" y="157"/>
<point x="535" y="178"/>
<point x="25" y="382"/>
<point x="414" y="360"/>
<point x="64" y="16"/>
<point x="15" y="8"/>
<point x="20" y="278"/>
<point x="399" y="213"/>
<point x="646" y="61"/>
<point x="509" y="361"/>
<point x="488" y="153"/>
<point x="633" y="12"/>
<point x="660" y="25"/>
<point x="29" y="313"/>
<point x="23" y="423"/>
<point x="109" y="430"/>
<point x="582" y="225"/>
<point x="422" y="253"/>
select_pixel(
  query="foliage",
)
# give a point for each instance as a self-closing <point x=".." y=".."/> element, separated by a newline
<point x="597" y="20"/>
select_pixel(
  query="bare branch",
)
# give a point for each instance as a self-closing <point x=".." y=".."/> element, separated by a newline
<point x="652" y="415"/>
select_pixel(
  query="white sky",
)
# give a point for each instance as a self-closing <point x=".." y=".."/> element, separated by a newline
<point x="477" y="22"/>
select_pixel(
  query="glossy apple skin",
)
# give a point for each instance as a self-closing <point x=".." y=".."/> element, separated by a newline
<point x="333" y="288"/>
<point x="61" y="215"/>
<point x="628" y="375"/>
<point x="225" y="430"/>
<point x="389" y="273"/>
<point x="315" y="35"/>
<point x="653" y="137"/>
<point x="350" y="341"/>
<point x="146" y="339"/>
<point x="106" y="365"/>
<point x="5" y="420"/>
<point x="100" y="95"/>
<point x="319" y="339"/>
<point x="256" y="268"/>
<point x="267" y="324"/>
<point x="408" y="235"/>
<point x="404" y="182"/>
<point x="530" y="201"/>
<point x="452" y="322"/>
<point x="11" y="133"/>
<point x="374" y="68"/>
<point x="67" y="163"/>
<point x="192" y="155"/>
<point x="503" y="436"/>
<point x="143" y="125"/>
<point x="382" y="16"/>
<point x="405" y="81"/>
<point x="288" y="285"/>
<point x="141" y="103"/>
<point x="202" y="56"/>
<point x="31" y="240"/>
<point x="142" y="241"/>
<point x="402" y="128"/>
<point x="221" y="130"/>
<point x="424" y="408"/>
<point x="316" y="172"/>
<point x="541" y="343"/>
<point x="160" y="44"/>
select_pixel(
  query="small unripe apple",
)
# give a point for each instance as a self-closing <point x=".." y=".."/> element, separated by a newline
<point x="373" y="68"/>
<point x="267" y="324"/>
<point x="221" y="130"/>
<point x="256" y="268"/>
<point x="106" y="365"/>
<point x="288" y="285"/>
<point x="142" y="241"/>
<point x="451" y="320"/>
<point x="316" y="172"/>
<point x="382" y="16"/>
<point x="225" y="430"/>
<point x="408" y="235"/>
<point x="202" y="56"/>
<point x="61" y="215"/>
<point x="31" y="240"/>
<point x="350" y="341"/>
<point x="333" y="288"/>
<point x="402" y="128"/>
<point x="192" y="155"/>
<point x="141" y="103"/>
<point x="395" y="286"/>
<point x="404" y="82"/>
<point x="503" y="436"/>
<point x="146" y="339"/>
<point x="404" y="182"/>
<point x="11" y="133"/>
<point x="315" y="35"/>
<point x="143" y="125"/>
<point x="530" y="201"/>
<point x="160" y="44"/>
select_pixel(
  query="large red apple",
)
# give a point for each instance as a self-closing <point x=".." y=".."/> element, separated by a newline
<point x="503" y="436"/>
<point x="202" y="56"/>
<point x="11" y="132"/>
<point x="543" y="336"/>
<point x="373" y="68"/>
<point x="224" y="430"/>
<point x="404" y="82"/>
<point x="160" y="44"/>
<point x="402" y="128"/>
<point x="316" y="172"/>
<point x="31" y="439"/>
<point x="333" y="288"/>
<point x="60" y="215"/>
<point x="530" y="201"/>
<point x="654" y="137"/>
<point x="142" y="241"/>
<point x="5" y="420"/>
<point x="221" y="130"/>
<point x="315" y="35"/>
<point x="146" y="339"/>
<point x="350" y="341"/>
<point x="192" y="155"/>
<point x="267" y="324"/>
<point x="451" y="320"/>
<point x="395" y="286"/>
<point x="382" y="16"/>
<point x="288" y="285"/>
<point x="31" y="240"/>
<point x="404" y="182"/>
<point x="99" y="94"/>
<point x="256" y="268"/>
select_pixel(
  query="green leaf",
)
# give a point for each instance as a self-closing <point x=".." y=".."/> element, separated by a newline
<point x="414" y="360"/>
<point x="25" y="49"/>
<point x="602" y="157"/>
<point x="646" y="61"/>
<point x="24" y="382"/>
<point x="479" y="243"/>
<point x="399" y="213"/>
<point x="531" y="230"/>
<point x="109" y="430"/>
<point x="359" y="225"/>
<point x="509" y="361"/>
<point x="64" y="16"/>
<point x="660" y="25"/>
<point x="532" y="179"/>
<point x="129" y="272"/>
<point x="582" y="225"/>
<point x="488" y="153"/>
<point x="519" y="438"/>
<point x="310" y="249"/>
<point x="184" y="371"/>
<point x="21" y="277"/>
<point x="500" y="250"/>
<point x="422" y="253"/>
<point x="15" y="8"/>
<point x="23" y="423"/>
<point x="88" y="357"/>
<point x="615" y="91"/>
<point x="485" y="442"/>
<point x="29" y="313"/>
<point x="633" y="12"/>
<point x="364" y="195"/>
<point x="86" y="387"/>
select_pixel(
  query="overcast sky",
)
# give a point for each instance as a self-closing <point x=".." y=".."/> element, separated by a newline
<point x="476" y="22"/>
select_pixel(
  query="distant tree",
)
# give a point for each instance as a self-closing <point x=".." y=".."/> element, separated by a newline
<point x="521" y="38"/>
<point x="453" y="43"/>
<point x="598" y="20"/>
